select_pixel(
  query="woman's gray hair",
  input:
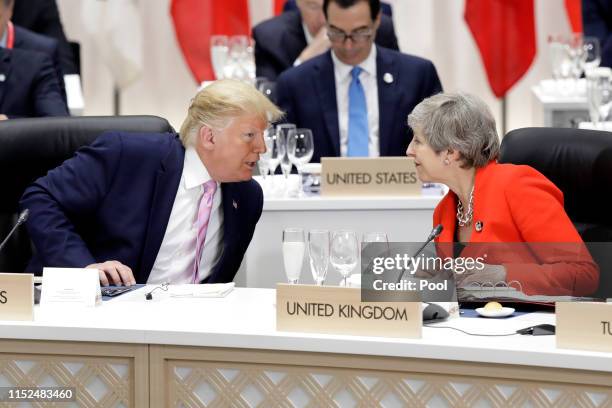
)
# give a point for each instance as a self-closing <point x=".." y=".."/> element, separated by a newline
<point x="457" y="121"/>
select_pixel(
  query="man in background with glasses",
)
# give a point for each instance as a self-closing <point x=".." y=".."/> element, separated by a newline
<point x="356" y="97"/>
<point x="298" y="35"/>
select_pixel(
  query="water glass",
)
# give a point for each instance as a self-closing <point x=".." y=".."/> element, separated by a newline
<point x="599" y="94"/>
<point x="344" y="253"/>
<point x="219" y="51"/>
<point x="294" y="247"/>
<point x="300" y="148"/>
<point x="318" y="249"/>
<point x="592" y="53"/>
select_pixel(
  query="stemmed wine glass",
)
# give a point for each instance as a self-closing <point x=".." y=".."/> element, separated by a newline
<point x="264" y="159"/>
<point x="281" y="131"/>
<point x="592" y="53"/>
<point x="344" y="253"/>
<point x="293" y="253"/>
<point x="380" y="242"/>
<point x="300" y="147"/>
<point x="599" y="94"/>
<point x="219" y="51"/>
<point x="318" y="249"/>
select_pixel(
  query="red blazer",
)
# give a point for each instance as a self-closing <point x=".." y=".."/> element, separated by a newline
<point x="517" y="204"/>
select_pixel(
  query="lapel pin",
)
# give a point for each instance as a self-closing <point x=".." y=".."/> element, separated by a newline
<point x="479" y="226"/>
<point x="235" y="204"/>
<point x="2" y="77"/>
<point x="388" y="78"/>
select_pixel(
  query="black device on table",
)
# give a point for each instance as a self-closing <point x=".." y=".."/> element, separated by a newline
<point x="112" y="291"/>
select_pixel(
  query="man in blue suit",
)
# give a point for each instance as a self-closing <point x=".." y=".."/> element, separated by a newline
<point x="356" y="97"/>
<point x="597" y="22"/>
<point x="42" y="17"/>
<point x="298" y="35"/>
<point x="152" y="208"/>
<point x="14" y="36"/>
<point x="29" y="86"/>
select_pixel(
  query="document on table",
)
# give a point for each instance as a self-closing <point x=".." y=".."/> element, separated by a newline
<point x="210" y="290"/>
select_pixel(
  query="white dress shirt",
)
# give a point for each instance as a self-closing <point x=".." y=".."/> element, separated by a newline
<point x="342" y="74"/>
<point x="176" y="256"/>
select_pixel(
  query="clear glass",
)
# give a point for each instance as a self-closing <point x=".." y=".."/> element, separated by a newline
<point x="599" y="96"/>
<point x="236" y="68"/>
<point x="264" y="158"/>
<point x="219" y="52"/>
<point x="281" y="131"/>
<point x="376" y="236"/>
<point x="318" y="250"/>
<point x="300" y="148"/>
<point x="294" y="246"/>
<point x="344" y="253"/>
<point x="592" y="52"/>
<point x="274" y="149"/>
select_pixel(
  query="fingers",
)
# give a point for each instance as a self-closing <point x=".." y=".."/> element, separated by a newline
<point x="114" y="273"/>
<point x="127" y="277"/>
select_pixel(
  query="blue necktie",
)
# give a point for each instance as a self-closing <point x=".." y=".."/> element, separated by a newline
<point x="358" y="135"/>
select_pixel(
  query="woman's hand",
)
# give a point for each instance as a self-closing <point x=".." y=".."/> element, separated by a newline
<point x="490" y="273"/>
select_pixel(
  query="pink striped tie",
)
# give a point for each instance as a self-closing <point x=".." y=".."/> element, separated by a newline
<point x="202" y="223"/>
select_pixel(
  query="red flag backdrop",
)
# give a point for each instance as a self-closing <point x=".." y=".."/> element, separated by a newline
<point x="574" y="14"/>
<point x="278" y="6"/>
<point x="504" y="31"/>
<point x="196" y="20"/>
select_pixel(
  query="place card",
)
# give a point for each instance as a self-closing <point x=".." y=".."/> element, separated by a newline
<point x="339" y="310"/>
<point x="382" y="176"/>
<point x="584" y="326"/>
<point x="70" y="286"/>
<point x="16" y="296"/>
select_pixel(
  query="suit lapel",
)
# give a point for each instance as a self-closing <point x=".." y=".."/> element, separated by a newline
<point x="326" y="92"/>
<point x="293" y="40"/>
<point x="231" y="214"/>
<point x="387" y="80"/>
<point x="5" y="70"/>
<point x="166" y="185"/>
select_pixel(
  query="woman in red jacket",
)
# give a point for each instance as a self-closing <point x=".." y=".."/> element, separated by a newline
<point x="455" y="143"/>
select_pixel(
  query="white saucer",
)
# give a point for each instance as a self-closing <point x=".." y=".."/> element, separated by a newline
<point x="503" y="312"/>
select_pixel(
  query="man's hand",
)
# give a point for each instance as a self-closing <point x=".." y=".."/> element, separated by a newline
<point x="115" y="273"/>
<point x="320" y="43"/>
<point x="3" y="117"/>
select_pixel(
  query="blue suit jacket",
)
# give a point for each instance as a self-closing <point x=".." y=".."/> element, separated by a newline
<point x="113" y="199"/>
<point x="307" y="94"/>
<point x="280" y="40"/>
<point x="597" y="22"/>
<point x="42" y="17"/>
<point x="29" y="40"/>
<point x="30" y="87"/>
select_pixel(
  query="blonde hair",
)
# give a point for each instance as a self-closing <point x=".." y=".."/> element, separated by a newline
<point x="220" y="102"/>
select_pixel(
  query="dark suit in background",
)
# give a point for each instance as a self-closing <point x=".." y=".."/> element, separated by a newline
<point x="597" y="22"/>
<point x="280" y="40"/>
<point x="100" y="205"/>
<point x="307" y="94"/>
<point x="42" y="16"/>
<point x="29" y="40"/>
<point x="28" y="85"/>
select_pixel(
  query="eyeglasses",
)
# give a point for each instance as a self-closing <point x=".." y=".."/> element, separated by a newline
<point x="359" y="36"/>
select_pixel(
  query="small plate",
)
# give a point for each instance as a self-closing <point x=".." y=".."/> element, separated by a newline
<point x="505" y="311"/>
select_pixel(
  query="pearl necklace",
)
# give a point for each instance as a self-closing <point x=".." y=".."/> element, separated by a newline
<point x="466" y="219"/>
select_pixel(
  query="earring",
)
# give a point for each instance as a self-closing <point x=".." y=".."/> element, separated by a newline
<point x="446" y="162"/>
